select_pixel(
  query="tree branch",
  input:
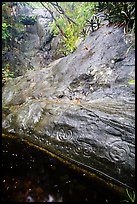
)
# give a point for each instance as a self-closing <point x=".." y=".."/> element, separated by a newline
<point x="51" y="12"/>
<point x="61" y="11"/>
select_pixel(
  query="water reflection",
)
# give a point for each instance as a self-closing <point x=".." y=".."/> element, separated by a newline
<point x="29" y="175"/>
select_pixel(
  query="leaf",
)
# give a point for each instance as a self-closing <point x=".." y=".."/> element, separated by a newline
<point x="131" y="81"/>
<point x="131" y="195"/>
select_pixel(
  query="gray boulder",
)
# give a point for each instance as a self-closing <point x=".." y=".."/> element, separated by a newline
<point x="81" y="107"/>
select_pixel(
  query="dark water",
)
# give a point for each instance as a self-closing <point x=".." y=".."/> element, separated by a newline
<point x="31" y="175"/>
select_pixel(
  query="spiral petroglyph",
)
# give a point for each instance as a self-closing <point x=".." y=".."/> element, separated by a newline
<point x="64" y="135"/>
<point x="85" y="149"/>
<point x="119" y="151"/>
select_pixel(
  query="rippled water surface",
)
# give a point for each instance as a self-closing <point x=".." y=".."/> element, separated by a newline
<point x="31" y="175"/>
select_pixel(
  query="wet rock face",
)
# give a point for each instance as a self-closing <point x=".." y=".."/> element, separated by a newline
<point x="32" y="43"/>
<point x="81" y="106"/>
<point x="31" y="16"/>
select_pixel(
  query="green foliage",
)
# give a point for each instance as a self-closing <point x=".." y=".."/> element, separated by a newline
<point x="84" y="12"/>
<point x="7" y="21"/>
<point x="78" y="11"/>
<point x="130" y="196"/>
<point x="6" y="73"/>
<point x="54" y="28"/>
<point x="6" y="35"/>
<point x="34" y="4"/>
<point x="122" y="13"/>
<point x="81" y="12"/>
<point x="69" y="40"/>
<point x="131" y="81"/>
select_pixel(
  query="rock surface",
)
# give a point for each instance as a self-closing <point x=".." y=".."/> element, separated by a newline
<point x="81" y="106"/>
<point x="32" y="43"/>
